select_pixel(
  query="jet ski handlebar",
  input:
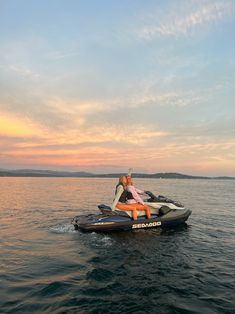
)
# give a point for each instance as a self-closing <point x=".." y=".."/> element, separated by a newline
<point x="161" y="198"/>
<point x="153" y="198"/>
<point x="149" y="194"/>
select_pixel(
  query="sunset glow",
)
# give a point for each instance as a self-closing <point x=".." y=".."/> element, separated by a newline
<point x="14" y="127"/>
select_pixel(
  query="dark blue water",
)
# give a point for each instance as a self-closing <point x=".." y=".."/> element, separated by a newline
<point x="47" y="267"/>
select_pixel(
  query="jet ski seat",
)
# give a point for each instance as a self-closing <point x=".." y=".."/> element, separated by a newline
<point x="158" y="211"/>
<point x="128" y="213"/>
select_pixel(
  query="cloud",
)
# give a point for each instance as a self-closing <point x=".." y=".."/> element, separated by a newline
<point x="159" y="158"/>
<point x="58" y="55"/>
<point x="187" y="18"/>
<point x="108" y="146"/>
<point x="137" y="96"/>
<point x="75" y="107"/>
<point x="169" y="98"/>
<point x="23" y="140"/>
<point x="127" y="134"/>
<point x="13" y="126"/>
<point x="23" y="71"/>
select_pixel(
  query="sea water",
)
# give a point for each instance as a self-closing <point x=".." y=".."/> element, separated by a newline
<point x="48" y="267"/>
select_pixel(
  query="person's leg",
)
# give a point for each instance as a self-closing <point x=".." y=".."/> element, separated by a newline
<point x="134" y="213"/>
<point x="131" y="207"/>
<point x="148" y="212"/>
<point x="146" y="208"/>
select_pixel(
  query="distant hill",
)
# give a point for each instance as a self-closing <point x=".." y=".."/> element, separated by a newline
<point x="164" y="175"/>
<point x="42" y="173"/>
<point x="82" y="174"/>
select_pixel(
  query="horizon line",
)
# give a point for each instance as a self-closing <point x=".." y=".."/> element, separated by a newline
<point x="114" y="173"/>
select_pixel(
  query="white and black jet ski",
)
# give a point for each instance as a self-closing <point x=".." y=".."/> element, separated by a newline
<point x="164" y="213"/>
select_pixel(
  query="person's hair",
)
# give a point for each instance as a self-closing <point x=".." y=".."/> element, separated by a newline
<point x="129" y="180"/>
<point x="123" y="180"/>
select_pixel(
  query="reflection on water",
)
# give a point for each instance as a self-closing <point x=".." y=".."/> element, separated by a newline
<point x="48" y="267"/>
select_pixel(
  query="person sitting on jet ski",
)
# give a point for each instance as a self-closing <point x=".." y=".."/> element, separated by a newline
<point x="134" y="199"/>
<point x="120" y="193"/>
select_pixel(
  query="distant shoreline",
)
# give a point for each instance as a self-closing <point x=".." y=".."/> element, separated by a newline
<point x="67" y="174"/>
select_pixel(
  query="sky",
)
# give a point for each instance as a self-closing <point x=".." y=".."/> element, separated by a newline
<point x="104" y="85"/>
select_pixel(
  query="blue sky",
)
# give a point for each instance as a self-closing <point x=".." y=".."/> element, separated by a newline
<point x="105" y="85"/>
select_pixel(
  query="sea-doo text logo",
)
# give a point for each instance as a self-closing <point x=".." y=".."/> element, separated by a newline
<point x="148" y="225"/>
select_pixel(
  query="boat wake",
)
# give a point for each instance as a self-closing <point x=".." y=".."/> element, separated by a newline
<point x="65" y="228"/>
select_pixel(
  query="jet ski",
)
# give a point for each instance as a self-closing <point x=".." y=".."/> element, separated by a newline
<point x="164" y="213"/>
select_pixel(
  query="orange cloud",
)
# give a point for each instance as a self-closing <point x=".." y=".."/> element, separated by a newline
<point x="94" y="146"/>
<point x="13" y="126"/>
<point x="187" y="159"/>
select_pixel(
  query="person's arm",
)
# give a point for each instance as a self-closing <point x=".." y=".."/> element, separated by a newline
<point x="135" y="195"/>
<point x="117" y="196"/>
<point x="129" y="172"/>
<point x="139" y="191"/>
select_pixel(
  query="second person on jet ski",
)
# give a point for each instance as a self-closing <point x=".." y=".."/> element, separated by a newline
<point x="134" y="199"/>
<point x="127" y="198"/>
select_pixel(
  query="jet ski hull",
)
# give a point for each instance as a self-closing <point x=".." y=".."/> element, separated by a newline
<point x="102" y="223"/>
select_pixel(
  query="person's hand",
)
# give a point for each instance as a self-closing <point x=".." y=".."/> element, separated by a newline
<point x="129" y="171"/>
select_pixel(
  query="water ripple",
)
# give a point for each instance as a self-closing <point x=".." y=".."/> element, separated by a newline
<point x="48" y="267"/>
